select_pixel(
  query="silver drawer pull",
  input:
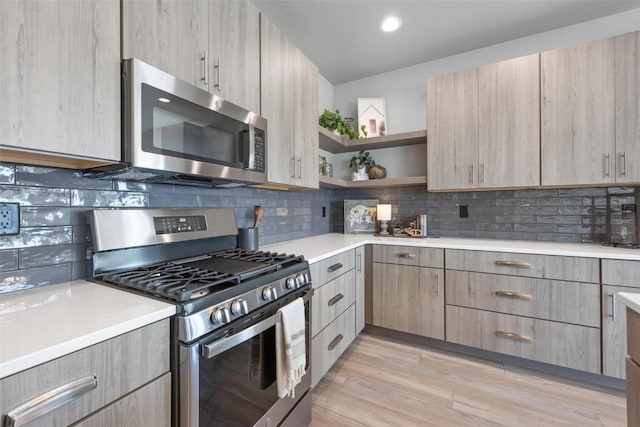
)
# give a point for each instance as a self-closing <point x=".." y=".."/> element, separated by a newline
<point x="334" y="267"/>
<point x="334" y="300"/>
<point x="334" y="342"/>
<point x="613" y="306"/>
<point x="516" y="295"/>
<point x="407" y="255"/>
<point x="519" y="264"/>
<point x="514" y="336"/>
<point x="47" y="402"/>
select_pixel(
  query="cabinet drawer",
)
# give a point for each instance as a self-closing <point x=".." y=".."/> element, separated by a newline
<point x="562" y="344"/>
<point x="120" y="365"/>
<point x="621" y="273"/>
<point x="329" y="344"/>
<point x="569" y="302"/>
<point x="331" y="299"/>
<point x="529" y="265"/>
<point x="633" y="334"/>
<point x="633" y="393"/>
<point x="332" y="267"/>
<point x="149" y="405"/>
<point x="409" y="255"/>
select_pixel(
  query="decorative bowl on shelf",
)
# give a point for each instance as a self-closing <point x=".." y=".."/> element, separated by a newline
<point x="377" y="172"/>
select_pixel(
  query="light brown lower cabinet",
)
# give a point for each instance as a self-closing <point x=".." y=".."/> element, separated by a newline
<point x="633" y="393"/>
<point x="614" y="329"/>
<point x="561" y="344"/>
<point x="329" y="344"/>
<point x="408" y="299"/>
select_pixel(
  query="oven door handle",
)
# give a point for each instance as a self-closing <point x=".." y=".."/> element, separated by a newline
<point x="213" y="349"/>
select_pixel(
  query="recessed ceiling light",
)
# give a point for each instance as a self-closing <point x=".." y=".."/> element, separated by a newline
<point x="391" y="23"/>
<point x="164" y="100"/>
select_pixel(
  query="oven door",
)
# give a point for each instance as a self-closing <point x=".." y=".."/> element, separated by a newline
<point x="231" y="381"/>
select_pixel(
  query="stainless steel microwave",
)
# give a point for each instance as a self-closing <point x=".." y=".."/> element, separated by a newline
<point x="173" y="131"/>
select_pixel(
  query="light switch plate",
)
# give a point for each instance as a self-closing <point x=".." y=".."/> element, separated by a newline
<point x="9" y="219"/>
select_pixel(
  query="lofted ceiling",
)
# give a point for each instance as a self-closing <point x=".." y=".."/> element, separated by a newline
<point x="342" y="37"/>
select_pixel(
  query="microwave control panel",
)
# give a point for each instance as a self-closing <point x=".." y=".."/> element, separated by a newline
<point x="259" y="159"/>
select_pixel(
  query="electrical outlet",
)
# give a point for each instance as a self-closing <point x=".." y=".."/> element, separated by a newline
<point x="464" y="211"/>
<point x="9" y="219"/>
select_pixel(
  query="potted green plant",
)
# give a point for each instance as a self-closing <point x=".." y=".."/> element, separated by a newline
<point x="337" y="123"/>
<point x="362" y="162"/>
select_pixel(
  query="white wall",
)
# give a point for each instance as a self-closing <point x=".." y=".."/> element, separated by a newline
<point x="404" y="90"/>
<point x="325" y="94"/>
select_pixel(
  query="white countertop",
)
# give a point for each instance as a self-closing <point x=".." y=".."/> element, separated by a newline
<point x="38" y="325"/>
<point x="631" y="300"/>
<point x="319" y="247"/>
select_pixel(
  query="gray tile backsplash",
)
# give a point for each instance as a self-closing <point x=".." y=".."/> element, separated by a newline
<point x="51" y="247"/>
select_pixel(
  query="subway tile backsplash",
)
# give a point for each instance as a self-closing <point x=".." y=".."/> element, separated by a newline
<point x="51" y="247"/>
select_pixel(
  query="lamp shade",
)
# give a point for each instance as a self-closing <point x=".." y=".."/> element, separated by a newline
<point x="384" y="212"/>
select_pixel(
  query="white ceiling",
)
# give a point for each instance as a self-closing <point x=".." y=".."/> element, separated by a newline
<point x="343" y="39"/>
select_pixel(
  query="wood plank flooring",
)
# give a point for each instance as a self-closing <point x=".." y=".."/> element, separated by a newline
<point x="378" y="382"/>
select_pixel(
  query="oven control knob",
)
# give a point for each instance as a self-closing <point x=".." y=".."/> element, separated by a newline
<point x="301" y="280"/>
<point x="291" y="283"/>
<point x="221" y="316"/>
<point x="269" y="293"/>
<point x="239" y="307"/>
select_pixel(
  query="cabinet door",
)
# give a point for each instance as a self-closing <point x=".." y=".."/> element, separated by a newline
<point x="277" y="102"/>
<point x="234" y="46"/>
<point x="360" y="276"/>
<point x="509" y="123"/>
<point x="408" y="299"/>
<point x="614" y="331"/>
<point x="170" y="35"/>
<point x="60" y="76"/>
<point x="452" y="119"/>
<point x="306" y="121"/>
<point x="627" y="69"/>
<point x="578" y="131"/>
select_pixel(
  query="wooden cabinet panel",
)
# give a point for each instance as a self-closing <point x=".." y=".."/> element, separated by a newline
<point x="627" y="95"/>
<point x="544" y="266"/>
<point x="360" y="285"/>
<point x="150" y="405"/>
<point x="614" y="327"/>
<point x="60" y="85"/>
<point x="408" y="299"/>
<point x="633" y="332"/>
<point x="331" y="299"/>
<point x="562" y="344"/>
<point x="329" y="344"/>
<point x="621" y="273"/>
<point x="306" y="121"/>
<point x="509" y="123"/>
<point x="569" y="302"/>
<point x="169" y="35"/>
<point x="328" y="269"/>
<point x="120" y="365"/>
<point x="578" y="114"/>
<point x="234" y="46"/>
<point x="452" y="120"/>
<point x="633" y="393"/>
<point x="409" y="255"/>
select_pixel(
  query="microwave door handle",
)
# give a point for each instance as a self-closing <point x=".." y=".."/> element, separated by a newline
<point x="220" y="346"/>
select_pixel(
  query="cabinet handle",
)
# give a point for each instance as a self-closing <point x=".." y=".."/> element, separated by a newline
<point x="624" y="164"/>
<point x="407" y="255"/>
<point x="514" y="336"/>
<point x="607" y="165"/>
<point x="472" y="176"/>
<point x="205" y="65"/>
<point x="292" y="167"/>
<point x="334" y="300"/>
<point x="519" y="264"/>
<point x="613" y="306"/>
<point x="219" y="84"/>
<point x="359" y="256"/>
<point x="334" y="267"/>
<point x="437" y="284"/>
<point x="299" y="167"/>
<point x="334" y="342"/>
<point x="516" y="295"/>
<point x="47" y="402"/>
<point x="482" y="174"/>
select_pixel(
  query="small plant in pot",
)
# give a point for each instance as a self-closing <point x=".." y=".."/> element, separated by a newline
<point x="337" y="123"/>
<point x="362" y="162"/>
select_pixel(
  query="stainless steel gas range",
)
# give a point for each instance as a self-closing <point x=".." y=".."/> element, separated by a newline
<point x="223" y="337"/>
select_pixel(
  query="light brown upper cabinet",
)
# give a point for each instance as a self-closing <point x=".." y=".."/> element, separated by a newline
<point x="509" y="123"/>
<point x="484" y="127"/>
<point x="627" y="95"/>
<point x="213" y="45"/>
<point x="578" y="114"/>
<point x="289" y="91"/>
<point x="452" y="122"/>
<point x="60" y="73"/>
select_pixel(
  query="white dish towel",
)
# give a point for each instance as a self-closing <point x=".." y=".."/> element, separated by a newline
<point x="291" y="357"/>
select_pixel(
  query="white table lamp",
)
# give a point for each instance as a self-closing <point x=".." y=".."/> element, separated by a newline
<point x="384" y="215"/>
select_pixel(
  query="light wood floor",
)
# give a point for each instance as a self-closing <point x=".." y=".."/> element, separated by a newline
<point x="378" y="382"/>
